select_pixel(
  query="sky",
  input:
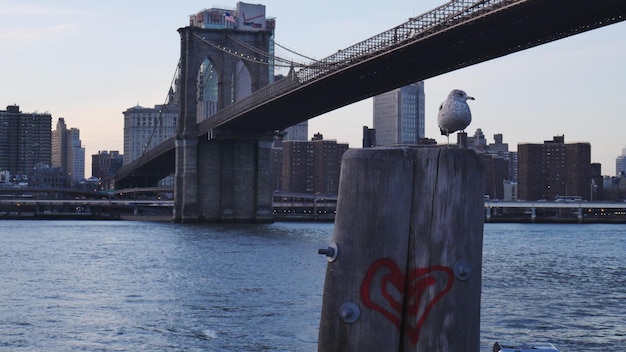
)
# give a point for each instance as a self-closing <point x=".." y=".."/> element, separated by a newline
<point x="88" y="61"/>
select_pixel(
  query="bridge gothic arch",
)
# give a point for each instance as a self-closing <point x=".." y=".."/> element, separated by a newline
<point x="210" y="80"/>
<point x="207" y="90"/>
<point x="242" y="82"/>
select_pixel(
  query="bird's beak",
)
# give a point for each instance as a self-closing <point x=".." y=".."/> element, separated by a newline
<point x="470" y="98"/>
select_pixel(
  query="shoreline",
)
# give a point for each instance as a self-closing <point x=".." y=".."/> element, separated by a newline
<point x="168" y="218"/>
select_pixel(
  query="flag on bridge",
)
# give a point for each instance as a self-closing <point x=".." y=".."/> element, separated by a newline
<point x="229" y="17"/>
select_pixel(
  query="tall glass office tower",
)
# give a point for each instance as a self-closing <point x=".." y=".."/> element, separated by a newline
<point x="399" y="115"/>
<point x="620" y="164"/>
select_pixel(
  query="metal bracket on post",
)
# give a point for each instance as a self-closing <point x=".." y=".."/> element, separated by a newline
<point x="330" y="252"/>
<point x="349" y="312"/>
<point x="462" y="270"/>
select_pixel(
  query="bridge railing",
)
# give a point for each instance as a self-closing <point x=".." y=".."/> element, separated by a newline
<point x="442" y="17"/>
<point x="445" y="16"/>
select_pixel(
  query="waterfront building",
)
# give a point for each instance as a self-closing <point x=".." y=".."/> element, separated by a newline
<point x="297" y="166"/>
<point x="327" y="156"/>
<point x="298" y="132"/>
<point x="145" y="128"/>
<point x="553" y="169"/>
<point x="500" y="164"/>
<point x="496" y="174"/>
<point x="5" y="178"/>
<point x="46" y="176"/>
<point x="477" y="141"/>
<point x="105" y="164"/>
<point x="311" y="166"/>
<point x="578" y="170"/>
<point x="614" y="188"/>
<point x="529" y="172"/>
<point x="597" y="182"/>
<point x="67" y="151"/>
<point x="25" y="141"/>
<point x="277" y="165"/>
<point x="369" y="137"/>
<point x="512" y="157"/>
<point x="498" y="145"/>
<point x="510" y="190"/>
<point x="399" y="115"/>
<point x="620" y="164"/>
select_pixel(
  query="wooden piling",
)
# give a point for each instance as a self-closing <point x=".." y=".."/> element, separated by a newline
<point x="406" y="275"/>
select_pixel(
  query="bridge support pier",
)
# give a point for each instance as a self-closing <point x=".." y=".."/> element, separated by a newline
<point x="186" y="181"/>
<point x="232" y="181"/>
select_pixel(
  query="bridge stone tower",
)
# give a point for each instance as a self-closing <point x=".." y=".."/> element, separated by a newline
<point x="225" y="175"/>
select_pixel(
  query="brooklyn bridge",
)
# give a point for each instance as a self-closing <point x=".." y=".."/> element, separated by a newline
<point x="221" y="162"/>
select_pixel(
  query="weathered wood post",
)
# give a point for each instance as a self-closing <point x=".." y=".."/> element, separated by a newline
<point x="406" y="272"/>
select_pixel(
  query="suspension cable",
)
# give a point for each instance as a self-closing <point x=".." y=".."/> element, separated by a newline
<point x="266" y="54"/>
<point x="293" y="52"/>
<point x="285" y="62"/>
<point x="160" y="118"/>
<point x="250" y="47"/>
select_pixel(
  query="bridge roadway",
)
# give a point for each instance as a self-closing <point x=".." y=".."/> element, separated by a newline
<point x="323" y="208"/>
<point x="450" y="37"/>
<point x="555" y="205"/>
<point x="559" y="211"/>
<point x="88" y="202"/>
<point x="310" y="207"/>
<point x="311" y="202"/>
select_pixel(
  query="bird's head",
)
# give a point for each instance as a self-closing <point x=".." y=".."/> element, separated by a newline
<point x="460" y="95"/>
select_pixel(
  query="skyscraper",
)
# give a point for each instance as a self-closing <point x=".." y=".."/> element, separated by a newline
<point x="399" y="115"/>
<point x="25" y="140"/>
<point x="620" y="164"/>
<point x="67" y="151"/>
<point x="76" y="155"/>
<point x="145" y="128"/>
<point x="297" y="132"/>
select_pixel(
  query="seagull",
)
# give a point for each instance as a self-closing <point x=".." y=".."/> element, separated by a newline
<point x="454" y="113"/>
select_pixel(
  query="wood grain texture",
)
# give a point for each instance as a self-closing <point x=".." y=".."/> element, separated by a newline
<point x="405" y="217"/>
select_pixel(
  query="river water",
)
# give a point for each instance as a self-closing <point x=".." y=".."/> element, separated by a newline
<point x="145" y="286"/>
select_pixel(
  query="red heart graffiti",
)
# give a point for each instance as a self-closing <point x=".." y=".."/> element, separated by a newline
<point x="392" y="290"/>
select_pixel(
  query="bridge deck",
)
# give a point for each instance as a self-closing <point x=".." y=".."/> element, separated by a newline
<point x="450" y="37"/>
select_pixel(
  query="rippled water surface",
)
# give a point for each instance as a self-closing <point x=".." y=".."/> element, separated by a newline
<point x="560" y="283"/>
<point x="140" y="286"/>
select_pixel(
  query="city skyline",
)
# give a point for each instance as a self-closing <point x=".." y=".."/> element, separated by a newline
<point x="89" y="62"/>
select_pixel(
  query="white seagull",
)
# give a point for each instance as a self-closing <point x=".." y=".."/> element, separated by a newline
<point x="454" y="113"/>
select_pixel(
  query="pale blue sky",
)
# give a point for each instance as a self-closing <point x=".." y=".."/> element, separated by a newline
<point x="88" y="61"/>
